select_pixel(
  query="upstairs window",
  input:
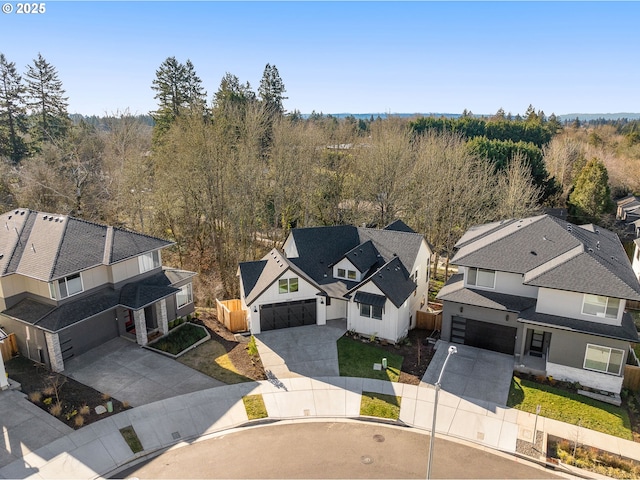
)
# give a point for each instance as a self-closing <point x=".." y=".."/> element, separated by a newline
<point x="346" y="274"/>
<point x="184" y="296"/>
<point x="149" y="261"/>
<point x="480" y="277"/>
<point x="599" y="306"/>
<point x="288" y="285"/>
<point x="603" y="359"/>
<point x="67" y="286"/>
<point x="351" y="274"/>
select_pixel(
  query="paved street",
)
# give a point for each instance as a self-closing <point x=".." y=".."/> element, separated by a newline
<point x="332" y="450"/>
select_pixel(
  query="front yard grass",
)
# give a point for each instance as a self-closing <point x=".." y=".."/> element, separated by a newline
<point x="211" y="359"/>
<point x="380" y="405"/>
<point x="180" y="339"/>
<point x="356" y="359"/>
<point x="569" y="407"/>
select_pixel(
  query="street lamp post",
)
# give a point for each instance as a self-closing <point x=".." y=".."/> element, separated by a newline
<point x="451" y="351"/>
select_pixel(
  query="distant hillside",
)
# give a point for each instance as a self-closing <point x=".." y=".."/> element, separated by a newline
<point x="569" y="116"/>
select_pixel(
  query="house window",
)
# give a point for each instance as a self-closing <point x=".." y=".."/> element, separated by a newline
<point x="481" y="277"/>
<point x="288" y="285"/>
<point x="603" y="359"/>
<point x="149" y="261"/>
<point x="599" y="306"/>
<point x="351" y="274"/>
<point x="371" y="311"/>
<point x="348" y="274"/>
<point x="184" y="296"/>
<point x="68" y="286"/>
<point x="342" y="273"/>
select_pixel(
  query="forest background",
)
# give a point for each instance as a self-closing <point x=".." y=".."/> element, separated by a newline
<point x="226" y="177"/>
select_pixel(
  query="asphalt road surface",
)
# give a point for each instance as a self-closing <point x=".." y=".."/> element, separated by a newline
<point x="331" y="450"/>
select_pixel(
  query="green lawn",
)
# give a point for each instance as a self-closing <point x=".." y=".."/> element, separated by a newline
<point x="380" y="405"/>
<point x="356" y="359"/>
<point x="569" y="407"/>
<point x="180" y="339"/>
<point x="254" y="405"/>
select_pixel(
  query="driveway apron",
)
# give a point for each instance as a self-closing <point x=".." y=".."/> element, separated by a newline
<point x="134" y="374"/>
<point x="472" y="373"/>
<point x="309" y="351"/>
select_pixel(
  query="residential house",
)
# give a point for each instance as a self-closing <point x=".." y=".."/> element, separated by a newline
<point x="68" y="285"/>
<point x="628" y="211"/>
<point x="376" y="279"/>
<point x="548" y="292"/>
<point x="635" y="263"/>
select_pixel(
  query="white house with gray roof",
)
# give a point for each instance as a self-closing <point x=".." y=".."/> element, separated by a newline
<point x="68" y="285"/>
<point x="550" y="293"/>
<point x="376" y="279"/>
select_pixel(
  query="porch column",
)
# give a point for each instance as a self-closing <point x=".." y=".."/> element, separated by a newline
<point x="4" y="383"/>
<point x="161" y="314"/>
<point x="55" y="352"/>
<point x="141" y="327"/>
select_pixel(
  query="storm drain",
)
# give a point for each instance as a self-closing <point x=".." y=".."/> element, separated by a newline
<point x="175" y="435"/>
<point x="379" y="438"/>
<point x="367" y="460"/>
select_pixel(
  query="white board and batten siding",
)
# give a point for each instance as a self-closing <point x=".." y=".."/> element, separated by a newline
<point x="389" y="328"/>
<point x="272" y="294"/>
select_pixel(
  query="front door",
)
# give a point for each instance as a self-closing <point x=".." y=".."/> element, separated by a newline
<point x="536" y="346"/>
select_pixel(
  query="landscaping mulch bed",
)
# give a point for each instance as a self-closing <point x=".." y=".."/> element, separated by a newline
<point x="35" y="378"/>
<point x="416" y="355"/>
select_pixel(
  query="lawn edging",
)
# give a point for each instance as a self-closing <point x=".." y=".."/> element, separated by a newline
<point x="206" y="338"/>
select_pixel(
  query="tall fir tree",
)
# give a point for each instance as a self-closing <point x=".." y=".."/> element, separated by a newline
<point x="178" y="88"/>
<point x="13" y="113"/>
<point x="271" y="90"/>
<point x="591" y="195"/>
<point x="46" y="101"/>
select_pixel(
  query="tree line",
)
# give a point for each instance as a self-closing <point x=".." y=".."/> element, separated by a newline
<point x="226" y="176"/>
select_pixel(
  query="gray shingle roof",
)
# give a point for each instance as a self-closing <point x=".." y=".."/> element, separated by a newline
<point x="554" y="254"/>
<point x="454" y="291"/>
<point x="393" y="280"/>
<point x="626" y="331"/>
<point x="364" y="256"/>
<point x="133" y="295"/>
<point x="399" y="226"/>
<point x="47" y="246"/>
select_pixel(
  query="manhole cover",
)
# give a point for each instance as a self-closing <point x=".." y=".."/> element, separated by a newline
<point x="378" y="438"/>
<point x="366" y="460"/>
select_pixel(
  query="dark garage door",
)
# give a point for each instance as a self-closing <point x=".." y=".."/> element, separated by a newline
<point x="474" y="333"/>
<point x="287" y="314"/>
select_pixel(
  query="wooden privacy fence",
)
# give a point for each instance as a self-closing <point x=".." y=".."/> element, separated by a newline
<point x="631" y="377"/>
<point x="232" y="315"/>
<point x="429" y="320"/>
<point x="9" y="347"/>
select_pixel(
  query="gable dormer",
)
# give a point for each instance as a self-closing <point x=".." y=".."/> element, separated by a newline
<point x="357" y="262"/>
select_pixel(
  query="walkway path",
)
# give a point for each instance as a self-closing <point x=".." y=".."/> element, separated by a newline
<point x="99" y="449"/>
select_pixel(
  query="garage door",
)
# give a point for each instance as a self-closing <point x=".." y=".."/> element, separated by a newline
<point x="88" y="334"/>
<point x="489" y="336"/>
<point x="287" y="314"/>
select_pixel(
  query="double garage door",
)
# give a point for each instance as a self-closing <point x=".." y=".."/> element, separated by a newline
<point x="287" y="314"/>
<point x="488" y="336"/>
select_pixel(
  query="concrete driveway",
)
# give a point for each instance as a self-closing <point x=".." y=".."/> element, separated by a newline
<point x="309" y="351"/>
<point x="473" y="373"/>
<point x="134" y="374"/>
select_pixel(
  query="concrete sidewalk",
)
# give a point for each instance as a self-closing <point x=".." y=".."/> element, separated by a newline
<point x="99" y="449"/>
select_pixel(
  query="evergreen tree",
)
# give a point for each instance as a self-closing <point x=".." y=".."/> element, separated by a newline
<point x="591" y="196"/>
<point x="178" y="88"/>
<point x="271" y="90"/>
<point x="46" y="101"/>
<point x="13" y="125"/>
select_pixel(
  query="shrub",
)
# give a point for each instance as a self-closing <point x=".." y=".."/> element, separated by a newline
<point x="47" y="401"/>
<point x="48" y="391"/>
<point x="56" y="409"/>
<point x="35" y="397"/>
<point x="84" y="409"/>
<point x="78" y="421"/>
<point x="252" y="348"/>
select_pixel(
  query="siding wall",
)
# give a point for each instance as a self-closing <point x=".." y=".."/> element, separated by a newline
<point x="29" y="339"/>
<point x="569" y="304"/>
<point x="386" y="328"/>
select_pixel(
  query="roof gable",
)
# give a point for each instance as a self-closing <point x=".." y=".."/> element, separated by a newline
<point x="393" y="280"/>
<point x="364" y="256"/>
<point x="399" y="226"/>
<point x="47" y="246"/>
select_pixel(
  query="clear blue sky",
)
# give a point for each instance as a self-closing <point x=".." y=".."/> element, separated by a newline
<point x="358" y="57"/>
